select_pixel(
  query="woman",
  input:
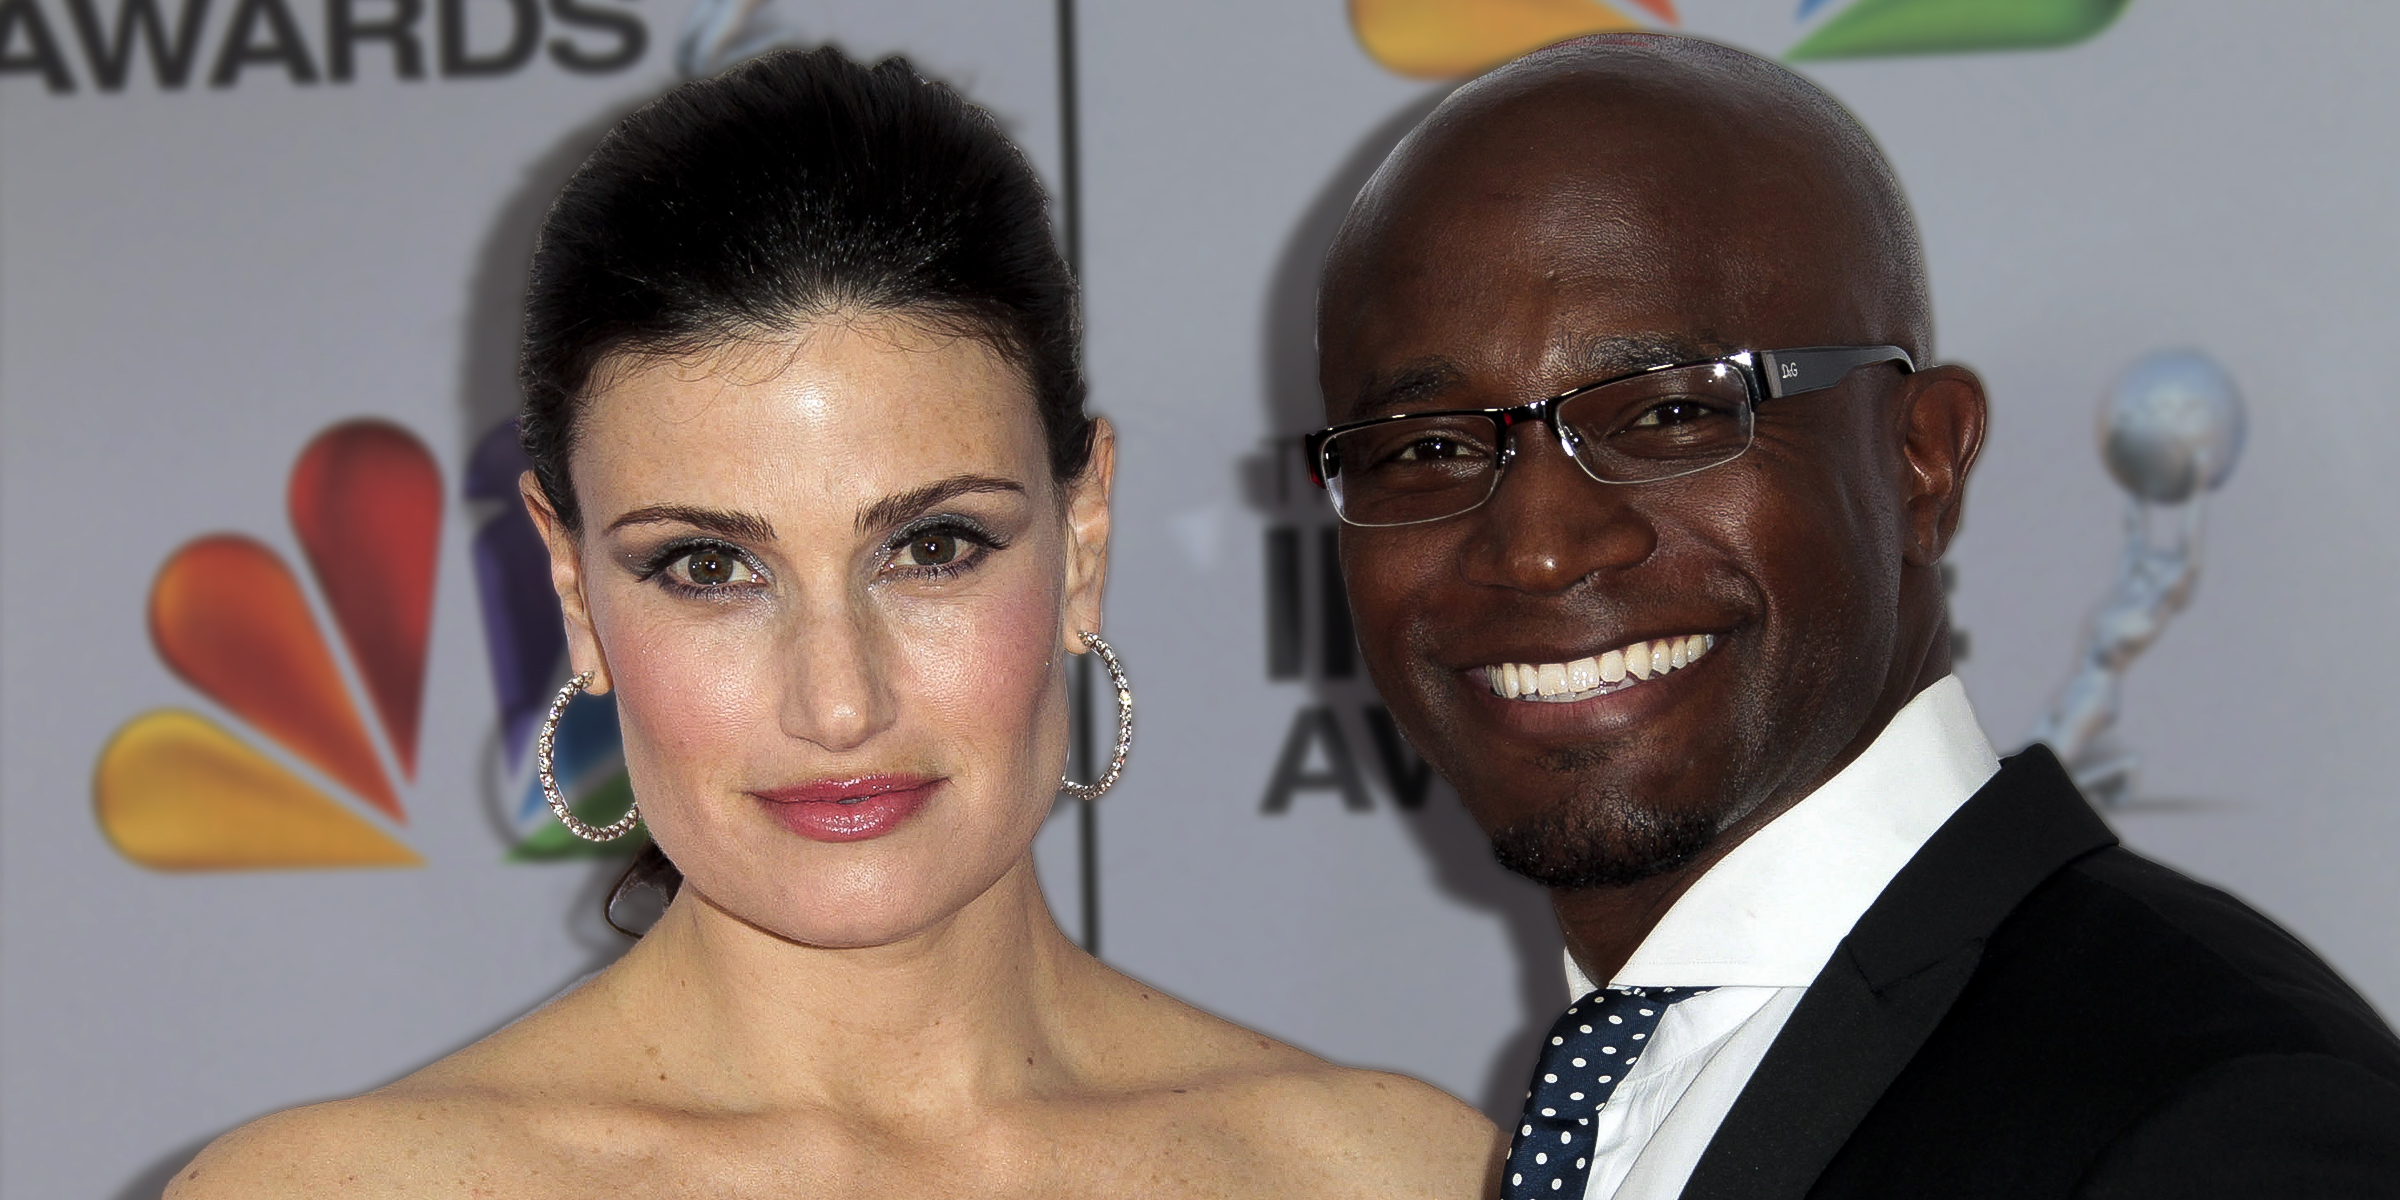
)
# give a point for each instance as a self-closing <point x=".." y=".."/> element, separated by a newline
<point x="825" y="513"/>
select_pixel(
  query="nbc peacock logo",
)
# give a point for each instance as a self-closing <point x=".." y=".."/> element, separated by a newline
<point x="1449" y="39"/>
<point x="176" y="789"/>
<point x="280" y="765"/>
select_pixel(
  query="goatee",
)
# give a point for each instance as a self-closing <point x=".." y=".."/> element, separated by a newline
<point x="1601" y="841"/>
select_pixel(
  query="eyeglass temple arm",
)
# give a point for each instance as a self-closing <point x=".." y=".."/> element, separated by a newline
<point x="1791" y="372"/>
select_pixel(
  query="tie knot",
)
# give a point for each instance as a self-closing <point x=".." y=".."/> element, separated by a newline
<point x="1591" y="1048"/>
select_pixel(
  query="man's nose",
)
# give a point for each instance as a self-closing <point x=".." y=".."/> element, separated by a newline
<point x="1549" y="525"/>
<point x="836" y="689"/>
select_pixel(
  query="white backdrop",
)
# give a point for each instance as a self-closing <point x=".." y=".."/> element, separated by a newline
<point x="194" y="281"/>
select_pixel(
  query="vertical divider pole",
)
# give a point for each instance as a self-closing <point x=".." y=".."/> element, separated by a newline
<point x="1070" y="207"/>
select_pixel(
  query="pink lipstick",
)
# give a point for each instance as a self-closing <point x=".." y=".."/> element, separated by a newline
<point x="849" y="810"/>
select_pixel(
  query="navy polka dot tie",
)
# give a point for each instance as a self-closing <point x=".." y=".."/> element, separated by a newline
<point x="1589" y="1051"/>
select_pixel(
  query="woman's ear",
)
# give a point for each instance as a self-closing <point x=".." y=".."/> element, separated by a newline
<point x="1087" y="536"/>
<point x="566" y="577"/>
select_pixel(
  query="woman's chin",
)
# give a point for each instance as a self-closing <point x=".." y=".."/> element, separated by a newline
<point x="847" y="918"/>
<point x="858" y="931"/>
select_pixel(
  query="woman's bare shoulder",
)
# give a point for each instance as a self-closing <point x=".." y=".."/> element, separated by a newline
<point x="375" y="1145"/>
<point x="422" y="1135"/>
<point x="1343" y="1129"/>
<point x="1380" y="1133"/>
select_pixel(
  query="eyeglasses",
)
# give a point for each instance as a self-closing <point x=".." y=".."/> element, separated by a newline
<point x="1657" y="423"/>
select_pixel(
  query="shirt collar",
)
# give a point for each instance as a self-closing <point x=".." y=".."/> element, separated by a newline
<point x="1771" y="912"/>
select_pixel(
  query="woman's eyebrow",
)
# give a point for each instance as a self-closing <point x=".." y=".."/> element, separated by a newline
<point x="893" y="509"/>
<point x="740" y="526"/>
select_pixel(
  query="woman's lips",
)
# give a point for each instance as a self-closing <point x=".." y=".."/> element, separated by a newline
<point x="849" y="810"/>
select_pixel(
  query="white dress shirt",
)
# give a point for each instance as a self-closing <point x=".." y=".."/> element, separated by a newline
<point x="1760" y="925"/>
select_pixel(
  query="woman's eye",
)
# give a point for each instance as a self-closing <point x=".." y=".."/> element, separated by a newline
<point x="935" y="549"/>
<point x="713" y="567"/>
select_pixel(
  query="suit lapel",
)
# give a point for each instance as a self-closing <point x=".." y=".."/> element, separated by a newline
<point x="1893" y="978"/>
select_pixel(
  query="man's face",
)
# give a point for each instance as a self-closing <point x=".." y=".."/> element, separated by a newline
<point x="1509" y="276"/>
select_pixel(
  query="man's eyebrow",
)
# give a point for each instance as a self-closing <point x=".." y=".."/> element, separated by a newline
<point x="1619" y="354"/>
<point x="891" y="510"/>
<point x="739" y="526"/>
<point x="1406" y="384"/>
<point x="1591" y="360"/>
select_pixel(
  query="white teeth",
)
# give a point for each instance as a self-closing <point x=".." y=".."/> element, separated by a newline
<point x="1551" y="679"/>
<point x="1585" y="676"/>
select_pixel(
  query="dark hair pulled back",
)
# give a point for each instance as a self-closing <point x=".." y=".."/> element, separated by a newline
<point x="796" y="187"/>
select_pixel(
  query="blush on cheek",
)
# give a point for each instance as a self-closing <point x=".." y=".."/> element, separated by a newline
<point x="993" y="674"/>
<point x="687" y="708"/>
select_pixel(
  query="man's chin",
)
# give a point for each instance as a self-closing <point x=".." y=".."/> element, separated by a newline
<point x="1609" y="845"/>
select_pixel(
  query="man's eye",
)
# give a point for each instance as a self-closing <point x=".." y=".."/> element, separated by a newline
<point x="935" y="549"/>
<point x="711" y="567"/>
<point x="1430" y="449"/>
<point x="1675" y="412"/>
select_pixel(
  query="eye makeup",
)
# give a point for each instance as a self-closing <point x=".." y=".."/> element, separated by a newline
<point x="710" y="567"/>
<point x="945" y="544"/>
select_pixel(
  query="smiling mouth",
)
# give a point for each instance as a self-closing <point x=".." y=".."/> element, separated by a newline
<point x="1611" y="671"/>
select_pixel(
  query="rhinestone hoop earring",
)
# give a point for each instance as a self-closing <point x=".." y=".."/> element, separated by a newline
<point x="544" y="749"/>
<point x="1116" y="761"/>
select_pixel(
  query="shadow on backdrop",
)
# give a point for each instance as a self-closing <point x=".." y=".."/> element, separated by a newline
<point x="1310" y="638"/>
<point x="154" y="1178"/>
<point x="489" y="397"/>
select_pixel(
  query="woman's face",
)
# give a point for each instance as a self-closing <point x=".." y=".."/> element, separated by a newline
<point x="831" y="580"/>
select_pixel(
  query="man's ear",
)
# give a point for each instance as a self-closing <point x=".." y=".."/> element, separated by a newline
<point x="566" y="577"/>
<point x="1087" y="536"/>
<point x="1941" y="431"/>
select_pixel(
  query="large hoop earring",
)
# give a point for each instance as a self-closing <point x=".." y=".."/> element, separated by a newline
<point x="1116" y="761"/>
<point x="544" y="748"/>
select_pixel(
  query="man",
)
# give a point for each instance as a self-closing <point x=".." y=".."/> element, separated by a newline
<point x="1646" y="469"/>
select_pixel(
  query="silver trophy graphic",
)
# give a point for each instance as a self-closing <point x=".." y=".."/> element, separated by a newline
<point x="2169" y="431"/>
<point x="719" y="33"/>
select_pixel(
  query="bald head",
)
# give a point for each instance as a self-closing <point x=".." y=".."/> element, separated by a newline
<point x="1574" y="219"/>
<point x="1633" y="162"/>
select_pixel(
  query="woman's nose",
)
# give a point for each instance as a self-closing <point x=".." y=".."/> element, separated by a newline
<point x="836" y="690"/>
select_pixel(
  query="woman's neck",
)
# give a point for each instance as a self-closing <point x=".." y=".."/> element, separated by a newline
<point x="962" y="1015"/>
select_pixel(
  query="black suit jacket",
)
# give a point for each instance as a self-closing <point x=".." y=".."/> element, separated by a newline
<point x="2030" y="1010"/>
